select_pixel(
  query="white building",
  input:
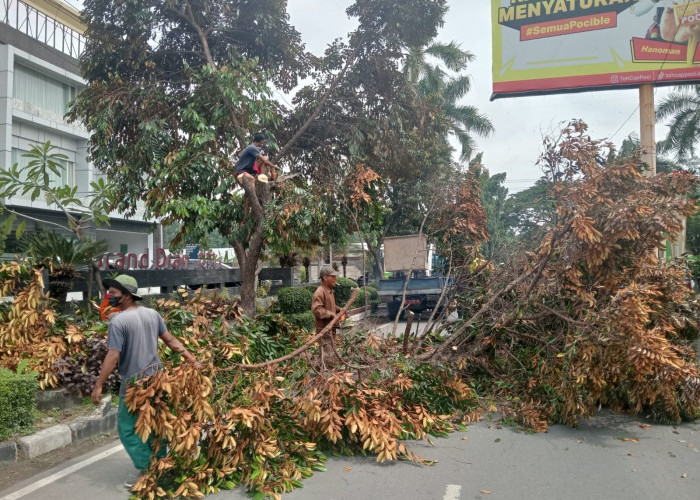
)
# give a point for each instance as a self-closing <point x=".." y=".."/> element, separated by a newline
<point x="40" y="42"/>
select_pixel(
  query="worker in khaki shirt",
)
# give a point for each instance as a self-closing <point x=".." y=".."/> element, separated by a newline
<point x="324" y="308"/>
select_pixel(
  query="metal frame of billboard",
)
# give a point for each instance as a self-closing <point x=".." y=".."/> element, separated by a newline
<point x="556" y="46"/>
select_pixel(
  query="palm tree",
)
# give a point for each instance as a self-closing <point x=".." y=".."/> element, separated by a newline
<point x="683" y="107"/>
<point x="444" y="90"/>
<point x="66" y="256"/>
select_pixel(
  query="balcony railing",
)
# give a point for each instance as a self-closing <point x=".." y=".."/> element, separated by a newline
<point x="41" y="27"/>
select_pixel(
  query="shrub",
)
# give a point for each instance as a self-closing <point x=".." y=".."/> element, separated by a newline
<point x="303" y="320"/>
<point x="373" y="298"/>
<point x="360" y="300"/>
<point x="311" y="288"/>
<point x="17" y="401"/>
<point x="343" y="289"/>
<point x="294" y="300"/>
<point x="78" y="373"/>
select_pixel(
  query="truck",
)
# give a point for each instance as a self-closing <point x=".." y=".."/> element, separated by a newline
<point x="404" y="254"/>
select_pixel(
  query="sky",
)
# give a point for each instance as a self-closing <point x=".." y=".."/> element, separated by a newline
<point x="521" y="122"/>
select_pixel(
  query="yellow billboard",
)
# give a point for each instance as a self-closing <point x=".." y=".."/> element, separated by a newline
<point x="547" y="46"/>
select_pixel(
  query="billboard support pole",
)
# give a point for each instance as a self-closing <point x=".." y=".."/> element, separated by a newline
<point x="647" y="118"/>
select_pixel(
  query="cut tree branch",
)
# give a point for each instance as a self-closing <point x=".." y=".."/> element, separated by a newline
<point x="301" y="349"/>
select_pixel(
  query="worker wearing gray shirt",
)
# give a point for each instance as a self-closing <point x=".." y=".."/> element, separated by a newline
<point x="132" y="344"/>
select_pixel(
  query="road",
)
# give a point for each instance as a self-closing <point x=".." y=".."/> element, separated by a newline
<point x="609" y="457"/>
<point x="419" y="325"/>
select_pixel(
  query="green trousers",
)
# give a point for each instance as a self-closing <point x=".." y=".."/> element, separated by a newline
<point x="139" y="452"/>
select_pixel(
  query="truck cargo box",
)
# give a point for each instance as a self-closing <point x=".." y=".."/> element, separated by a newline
<point x="399" y="252"/>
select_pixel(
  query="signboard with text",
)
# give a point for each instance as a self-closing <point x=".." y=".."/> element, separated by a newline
<point x="548" y="46"/>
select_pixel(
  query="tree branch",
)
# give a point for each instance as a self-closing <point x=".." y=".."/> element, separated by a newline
<point x="537" y="271"/>
<point x="301" y="349"/>
<point x="202" y="36"/>
<point x="331" y="88"/>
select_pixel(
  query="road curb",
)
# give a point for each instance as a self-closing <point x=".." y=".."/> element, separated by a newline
<point x="87" y="427"/>
<point x="44" y="441"/>
<point x="8" y="452"/>
<point x="102" y="421"/>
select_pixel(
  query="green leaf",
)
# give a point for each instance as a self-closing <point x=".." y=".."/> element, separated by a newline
<point x="20" y="229"/>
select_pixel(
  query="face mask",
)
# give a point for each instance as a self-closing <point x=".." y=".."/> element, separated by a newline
<point x="114" y="300"/>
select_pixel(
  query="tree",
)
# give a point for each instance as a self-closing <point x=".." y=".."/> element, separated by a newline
<point x="493" y="196"/>
<point x="443" y="90"/>
<point x="378" y="120"/>
<point x="82" y="211"/>
<point x="65" y="257"/>
<point x="167" y="129"/>
<point x="590" y="316"/>
<point x="682" y="107"/>
<point x="529" y="212"/>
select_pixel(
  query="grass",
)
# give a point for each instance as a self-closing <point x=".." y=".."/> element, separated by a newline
<point x="43" y="419"/>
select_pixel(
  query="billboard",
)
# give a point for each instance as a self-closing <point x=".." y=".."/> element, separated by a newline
<point x="547" y="46"/>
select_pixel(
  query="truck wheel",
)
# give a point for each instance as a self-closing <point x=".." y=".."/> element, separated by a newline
<point x="393" y="309"/>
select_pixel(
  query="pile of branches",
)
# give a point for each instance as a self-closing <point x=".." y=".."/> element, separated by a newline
<point x="592" y="317"/>
<point x="28" y="324"/>
<point x="265" y="407"/>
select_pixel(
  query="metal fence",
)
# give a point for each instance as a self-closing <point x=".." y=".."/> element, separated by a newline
<point x="42" y="27"/>
<point x="169" y="280"/>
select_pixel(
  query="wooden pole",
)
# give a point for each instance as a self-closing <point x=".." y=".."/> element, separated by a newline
<point x="647" y="127"/>
<point x="407" y="332"/>
<point x="647" y="119"/>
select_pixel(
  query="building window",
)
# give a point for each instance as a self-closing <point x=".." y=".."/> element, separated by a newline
<point x="40" y="94"/>
<point x="67" y="171"/>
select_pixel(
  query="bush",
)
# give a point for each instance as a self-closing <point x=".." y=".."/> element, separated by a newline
<point x="17" y="401"/>
<point x="295" y="300"/>
<point x="343" y="289"/>
<point x="304" y="320"/>
<point x="79" y="372"/>
<point x="373" y="298"/>
<point x="360" y="300"/>
<point x="311" y="288"/>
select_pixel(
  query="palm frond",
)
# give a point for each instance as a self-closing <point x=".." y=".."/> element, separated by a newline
<point x="456" y="88"/>
<point x="470" y="118"/>
<point x="450" y="54"/>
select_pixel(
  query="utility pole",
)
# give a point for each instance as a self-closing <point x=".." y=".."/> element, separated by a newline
<point x="647" y="137"/>
<point x="647" y="118"/>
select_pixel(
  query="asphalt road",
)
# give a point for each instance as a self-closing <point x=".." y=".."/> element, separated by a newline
<point x="609" y="457"/>
<point x="420" y="323"/>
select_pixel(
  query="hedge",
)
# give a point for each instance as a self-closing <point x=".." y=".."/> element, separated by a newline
<point x="294" y="300"/>
<point x="373" y="298"/>
<point x="360" y="299"/>
<point x="17" y="401"/>
<point x="303" y="320"/>
<point x="343" y="289"/>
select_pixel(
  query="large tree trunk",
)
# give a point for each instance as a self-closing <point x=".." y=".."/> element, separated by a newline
<point x="248" y="258"/>
<point x="307" y="265"/>
<point x="248" y="294"/>
<point x="374" y="250"/>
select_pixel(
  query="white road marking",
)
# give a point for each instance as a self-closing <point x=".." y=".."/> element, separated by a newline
<point x="452" y="492"/>
<point x="63" y="473"/>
